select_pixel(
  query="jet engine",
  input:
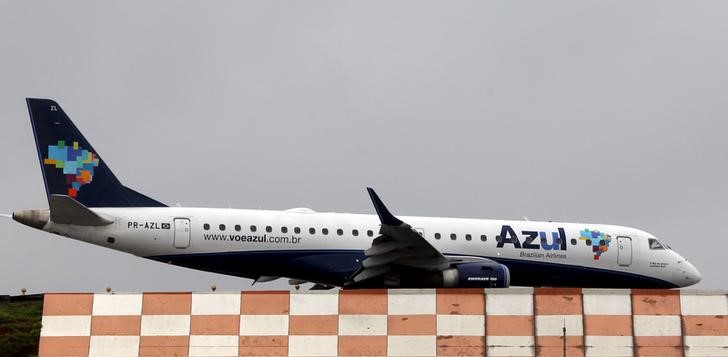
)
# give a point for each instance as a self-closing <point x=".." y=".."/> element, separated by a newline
<point x="477" y="275"/>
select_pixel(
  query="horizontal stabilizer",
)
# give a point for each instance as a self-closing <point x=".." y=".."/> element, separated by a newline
<point x="66" y="210"/>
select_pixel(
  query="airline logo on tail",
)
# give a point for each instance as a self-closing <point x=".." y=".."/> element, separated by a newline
<point x="77" y="164"/>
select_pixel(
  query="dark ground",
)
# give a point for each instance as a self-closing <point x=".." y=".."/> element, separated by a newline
<point x="20" y="321"/>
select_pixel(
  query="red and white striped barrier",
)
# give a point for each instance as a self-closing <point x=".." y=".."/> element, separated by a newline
<point x="426" y="322"/>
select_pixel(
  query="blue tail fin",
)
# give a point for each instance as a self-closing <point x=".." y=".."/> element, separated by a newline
<point x="70" y="164"/>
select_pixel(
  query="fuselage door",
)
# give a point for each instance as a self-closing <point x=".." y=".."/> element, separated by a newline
<point x="624" y="254"/>
<point x="181" y="233"/>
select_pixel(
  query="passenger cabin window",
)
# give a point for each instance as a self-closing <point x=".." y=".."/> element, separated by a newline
<point x="340" y="232"/>
<point x="237" y="228"/>
<point x="297" y="230"/>
<point x="654" y="244"/>
<point x="312" y="230"/>
<point x="453" y="236"/>
<point x="253" y="228"/>
<point x="355" y="233"/>
<point x="468" y="237"/>
<point x="222" y="227"/>
<point x="268" y="229"/>
<point x="206" y="226"/>
<point x="325" y="231"/>
<point x="284" y="229"/>
<point x="370" y="233"/>
<point x="437" y="235"/>
<point x="483" y="237"/>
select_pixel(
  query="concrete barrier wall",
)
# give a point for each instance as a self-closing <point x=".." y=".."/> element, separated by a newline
<point x="472" y="322"/>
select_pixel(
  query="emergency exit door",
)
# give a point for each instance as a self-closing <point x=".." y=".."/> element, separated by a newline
<point x="181" y="233"/>
<point x="624" y="254"/>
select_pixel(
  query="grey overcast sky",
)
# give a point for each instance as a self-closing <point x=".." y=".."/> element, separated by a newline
<point x="606" y="112"/>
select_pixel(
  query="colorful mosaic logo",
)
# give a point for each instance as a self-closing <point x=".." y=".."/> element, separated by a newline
<point x="77" y="164"/>
<point x="597" y="240"/>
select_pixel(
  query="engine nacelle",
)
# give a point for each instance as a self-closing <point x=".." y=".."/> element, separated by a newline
<point x="477" y="275"/>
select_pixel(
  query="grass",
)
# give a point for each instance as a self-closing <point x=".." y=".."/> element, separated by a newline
<point x="20" y="321"/>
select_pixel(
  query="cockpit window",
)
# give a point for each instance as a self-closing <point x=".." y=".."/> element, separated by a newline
<point x="654" y="244"/>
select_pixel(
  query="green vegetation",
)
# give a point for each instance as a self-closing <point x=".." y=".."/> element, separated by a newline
<point x="20" y="321"/>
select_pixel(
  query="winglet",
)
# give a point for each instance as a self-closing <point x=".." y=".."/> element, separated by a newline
<point x="384" y="215"/>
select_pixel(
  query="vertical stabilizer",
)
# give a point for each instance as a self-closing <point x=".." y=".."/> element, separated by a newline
<point x="71" y="166"/>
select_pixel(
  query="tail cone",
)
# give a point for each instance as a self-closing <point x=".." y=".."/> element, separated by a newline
<point x="33" y="218"/>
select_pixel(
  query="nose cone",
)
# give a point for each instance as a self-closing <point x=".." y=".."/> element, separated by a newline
<point x="688" y="275"/>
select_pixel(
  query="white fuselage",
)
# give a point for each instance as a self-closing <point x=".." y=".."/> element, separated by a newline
<point x="301" y="244"/>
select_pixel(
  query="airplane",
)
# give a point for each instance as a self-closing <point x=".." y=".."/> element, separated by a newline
<point x="88" y="203"/>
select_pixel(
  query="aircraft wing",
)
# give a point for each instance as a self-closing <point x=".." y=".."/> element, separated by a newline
<point x="398" y="246"/>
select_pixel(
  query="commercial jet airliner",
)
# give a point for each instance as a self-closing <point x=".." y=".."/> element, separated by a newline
<point x="88" y="203"/>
